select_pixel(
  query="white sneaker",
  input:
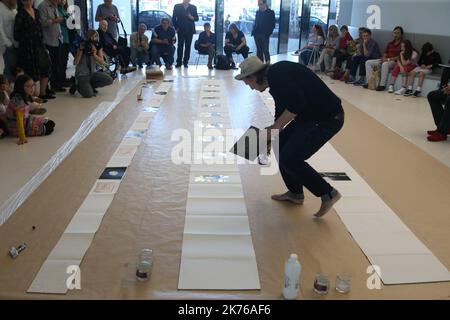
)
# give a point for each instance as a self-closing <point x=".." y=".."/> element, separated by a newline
<point x="401" y="91"/>
<point x="391" y="89"/>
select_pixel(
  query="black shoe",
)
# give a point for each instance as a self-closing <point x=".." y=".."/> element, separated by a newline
<point x="58" y="89"/>
<point x="366" y="86"/>
<point x="47" y="97"/>
<point x="417" y="93"/>
<point x="95" y="91"/>
<point x="233" y="65"/>
<point x="178" y="65"/>
<point x="408" y="93"/>
<point x="73" y="89"/>
<point x="49" y="91"/>
<point x="185" y="65"/>
<point x="381" y="88"/>
<point x="169" y="67"/>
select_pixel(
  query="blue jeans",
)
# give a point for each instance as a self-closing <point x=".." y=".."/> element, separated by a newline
<point x="305" y="56"/>
<point x="298" y="142"/>
<point x="164" y="51"/>
<point x="139" y="56"/>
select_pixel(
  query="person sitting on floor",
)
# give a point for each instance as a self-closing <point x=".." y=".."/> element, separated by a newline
<point x="315" y="41"/>
<point x="87" y="79"/>
<point x="428" y="61"/>
<point x="112" y="48"/>
<point x="22" y="106"/>
<point x="163" y="40"/>
<point x="439" y="101"/>
<point x="235" y="42"/>
<point x="406" y="63"/>
<point x="207" y="44"/>
<point x="139" y="46"/>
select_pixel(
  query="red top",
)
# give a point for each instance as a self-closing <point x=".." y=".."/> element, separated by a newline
<point x="393" y="50"/>
<point x="343" y="41"/>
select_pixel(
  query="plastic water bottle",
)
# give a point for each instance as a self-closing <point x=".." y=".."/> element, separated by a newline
<point x="292" y="269"/>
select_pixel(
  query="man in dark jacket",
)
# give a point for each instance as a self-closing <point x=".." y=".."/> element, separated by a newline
<point x="183" y="19"/>
<point x="262" y="29"/>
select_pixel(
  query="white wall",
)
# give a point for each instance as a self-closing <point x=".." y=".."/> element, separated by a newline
<point x="415" y="16"/>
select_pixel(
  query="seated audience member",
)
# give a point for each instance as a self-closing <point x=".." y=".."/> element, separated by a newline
<point x="139" y="46"/>
<point x="22" y="104"/>
<point x="207" y="44"/>
<point x="87" y="79"/>
<point x="353" y="50"/>
<point x="163" y="40"/>
<point x="235" y="42"/>
<point x="389" y="59"/>
<point x="428" y="61"/>
<point x="315" y="41"/>
<point x="440" y="108"/>
<point x="342" y="51"/>
<point x="331" y="44"/>
<point x="112" y="48"/>
<point x="368" y="50"/>
<point x="4" y="101"/>
<point x="406" y="63"/>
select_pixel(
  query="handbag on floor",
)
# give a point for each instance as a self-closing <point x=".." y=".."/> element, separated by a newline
<point x="222" y="63"/>
<point x="372" y="83"/>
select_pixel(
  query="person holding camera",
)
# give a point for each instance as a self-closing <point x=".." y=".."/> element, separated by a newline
<point x="87" y="79"/>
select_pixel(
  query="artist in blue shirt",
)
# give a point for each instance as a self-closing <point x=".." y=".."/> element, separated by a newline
<point x="308" y="114"/>
<point x="162" y="44"/>
<point x="207" y="44"/>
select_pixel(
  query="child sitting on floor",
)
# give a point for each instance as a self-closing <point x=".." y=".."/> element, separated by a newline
<point x="405" y="64"/>
<point x="20" y="120"/>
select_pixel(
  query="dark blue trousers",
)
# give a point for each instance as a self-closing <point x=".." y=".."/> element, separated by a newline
<point x="297" y="143"/>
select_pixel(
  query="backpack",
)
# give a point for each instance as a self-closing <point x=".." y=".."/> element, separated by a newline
<point x="222" y="63"/>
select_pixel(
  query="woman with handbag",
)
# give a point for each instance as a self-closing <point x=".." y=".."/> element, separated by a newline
<point x="32" y="56"/>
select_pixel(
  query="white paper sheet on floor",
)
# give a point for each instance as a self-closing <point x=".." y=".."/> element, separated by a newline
<point x="385" y="240"/>
<point x="54" y="274"/>
<point x="217" y="251"/>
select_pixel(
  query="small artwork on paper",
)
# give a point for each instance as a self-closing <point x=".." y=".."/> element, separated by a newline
<point x="149" y="109"/>
<point x="161" y="93"/>
<point x="211" y="114"/>
<point x="211" y="105"/>
<point x="135" y="134"/>
<point x="336" y="176"/>
<point x="212" y="178"/>
<point x="211" y="98"/>
<point x="113" y="173"/>
<point x="106" y="187"/>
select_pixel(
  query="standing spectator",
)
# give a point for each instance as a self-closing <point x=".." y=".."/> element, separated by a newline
<point x="7" y="51"/>
<point x="64" y="51"/>
<point x="112" y="48"/>
<point x="139" y="46"/>
<point x="4" y="101"/>
<point x="235" y="42"/>
<point x="87" y="79"/>
<point x="440" y="107"/>
<point x="51" y="30"/>
<point x="428" y="61"/>
<point x="28" y="34"/>
<point x="263" y="29"/>
<point x="207" y="44"/>
<point x="315" y="41"/>
<point x="369" y="49"/>
<point x="331" y="44"/>
<point x="389" y="59"/>
<point x="163" y="40"/>
<point x="184" y="18"/>
<point x="405" y="64"/>
<point x="109" y="12"/>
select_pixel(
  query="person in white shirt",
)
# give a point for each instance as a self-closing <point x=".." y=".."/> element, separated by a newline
<point x="7" y="45"/>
